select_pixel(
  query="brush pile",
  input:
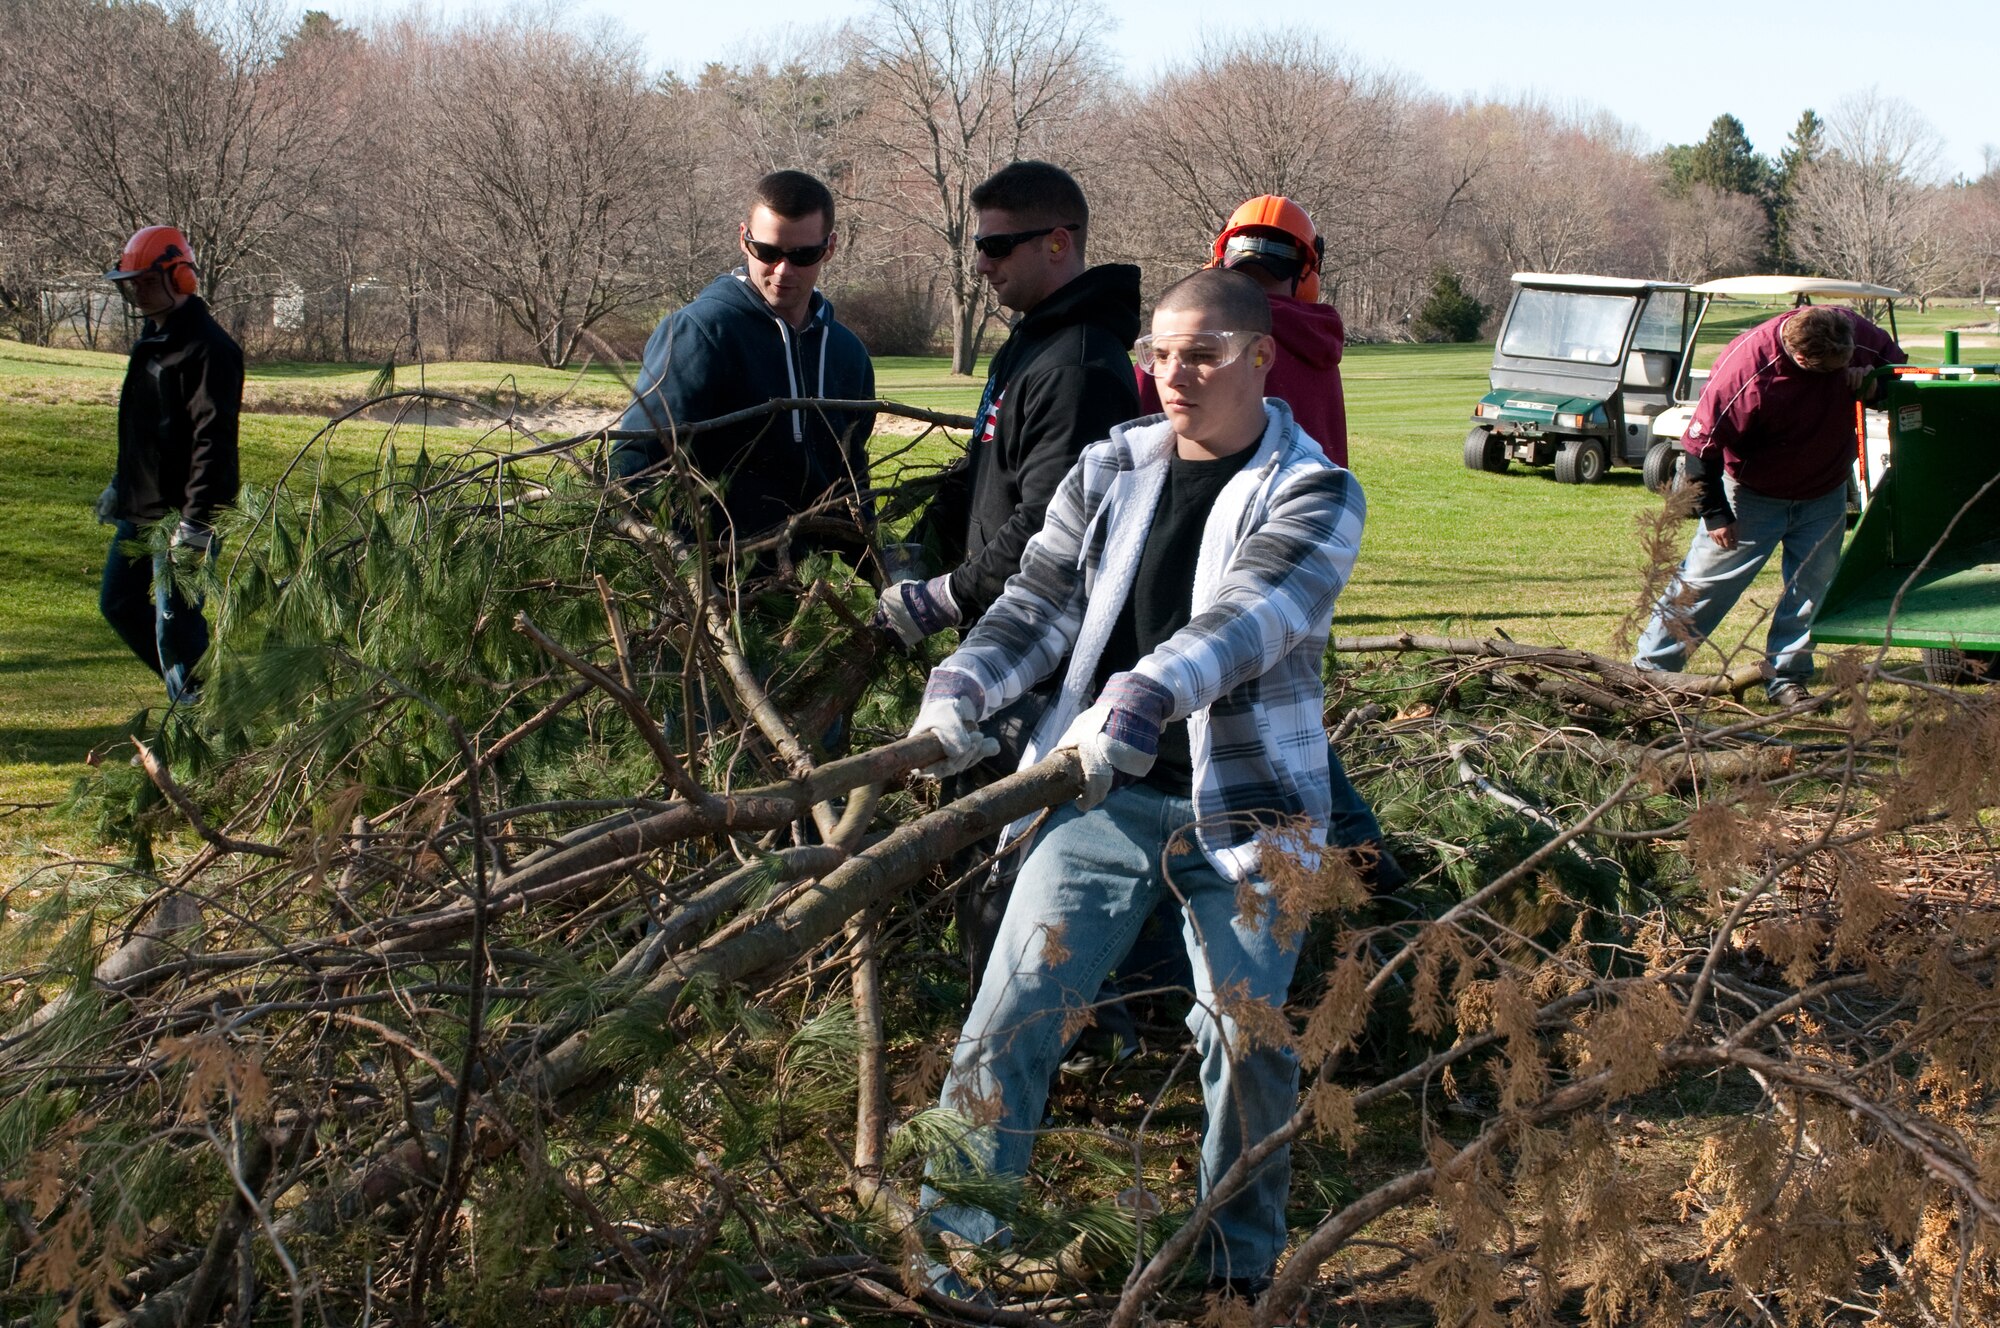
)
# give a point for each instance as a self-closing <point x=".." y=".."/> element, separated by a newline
<point x="537" y="921"/>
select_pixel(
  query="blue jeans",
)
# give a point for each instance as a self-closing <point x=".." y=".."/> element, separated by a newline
<point x="1808" y="531"/>
<point x="1350" y="821"/>
<point x="1085" y="891"/>
<point x="140" y="601"/>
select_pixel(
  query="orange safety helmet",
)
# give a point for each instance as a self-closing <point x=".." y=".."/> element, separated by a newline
<point x="161" y="249"/>
<point x="1288" y="234"/>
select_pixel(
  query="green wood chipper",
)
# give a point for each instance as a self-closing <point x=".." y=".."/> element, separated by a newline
<point x="1923" y="566"/>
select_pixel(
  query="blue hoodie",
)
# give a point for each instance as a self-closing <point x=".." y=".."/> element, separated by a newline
<point x="726" y="351"/>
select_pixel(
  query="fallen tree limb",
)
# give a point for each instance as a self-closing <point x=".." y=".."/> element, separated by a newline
<point x="585" y="1058"/>
<point x="1643" y="680"/>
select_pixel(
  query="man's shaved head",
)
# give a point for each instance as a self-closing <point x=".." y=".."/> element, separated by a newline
<point x="1230" y="298"/>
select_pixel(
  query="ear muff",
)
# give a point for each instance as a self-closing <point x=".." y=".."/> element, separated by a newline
<point x="181" y="277"/>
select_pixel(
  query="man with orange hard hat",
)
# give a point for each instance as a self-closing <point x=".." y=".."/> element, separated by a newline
<point x="177" y="416"/>
<point x="1272" y="241"/>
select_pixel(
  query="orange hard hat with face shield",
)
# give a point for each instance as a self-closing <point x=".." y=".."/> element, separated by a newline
<point x="161" y="249"/>
<point x="1276" y="234"/>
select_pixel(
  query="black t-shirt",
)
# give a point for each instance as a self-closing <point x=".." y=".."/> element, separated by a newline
<point x="1162" y="598"/>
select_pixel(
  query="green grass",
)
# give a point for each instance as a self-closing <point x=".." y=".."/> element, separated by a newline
<point x="66" y="377"/>
<point x="67" y="685"/>
<point x="1447" y="550"/>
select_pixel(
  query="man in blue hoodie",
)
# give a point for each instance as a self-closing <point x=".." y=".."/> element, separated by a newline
<point x="760" y="333"/>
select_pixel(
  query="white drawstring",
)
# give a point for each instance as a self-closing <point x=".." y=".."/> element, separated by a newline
<point x="792" y="376"/>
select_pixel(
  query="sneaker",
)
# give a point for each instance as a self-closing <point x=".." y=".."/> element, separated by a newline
<point x="1096" y="1054"/>
<point x="945" y="1280"/>
<point x="1789" y="694"/>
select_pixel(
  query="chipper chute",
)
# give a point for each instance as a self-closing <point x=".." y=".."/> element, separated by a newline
<point x="1923" y="567"/>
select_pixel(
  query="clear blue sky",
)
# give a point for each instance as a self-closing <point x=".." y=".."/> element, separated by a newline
<point x="1668" y="69"/>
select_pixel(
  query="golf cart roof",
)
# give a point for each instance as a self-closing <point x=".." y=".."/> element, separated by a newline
<point x="1755" y="286"/>
<point x="1583" y="281"/>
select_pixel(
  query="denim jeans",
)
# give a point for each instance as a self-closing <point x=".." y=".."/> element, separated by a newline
<point x="1080" y="900"/>
<point x="1350" y="822"/>
<point x="1809" y="533"/>
<point x="138" y="598"/>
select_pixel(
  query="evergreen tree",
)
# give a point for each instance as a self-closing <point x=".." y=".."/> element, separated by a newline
<point x="1724" y="160"/>
<point x="1449" y="314"/>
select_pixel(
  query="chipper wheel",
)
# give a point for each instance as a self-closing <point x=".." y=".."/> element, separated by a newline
<point x="1581" y="461"/>
<point x="1485" y="452"/>
<point x="1663" y="468"/>
<point x="1954" y="668"/>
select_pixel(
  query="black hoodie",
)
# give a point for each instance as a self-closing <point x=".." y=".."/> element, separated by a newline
<point x="177" y="418"/>
<point x="1060" y="382"/>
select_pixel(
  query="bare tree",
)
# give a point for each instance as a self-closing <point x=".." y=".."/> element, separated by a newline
<point x="1287" y="114"/>
<point x="1541" y="207"/>
<point x="205" y="116"/>
<point x="546" y="157"/>
<point x="958" y="88"/>
<point x="1975" y="229"/>
<point x="1871" y="206"/>
<point x="1711" y="232"/>
<point x="790" y="103"/>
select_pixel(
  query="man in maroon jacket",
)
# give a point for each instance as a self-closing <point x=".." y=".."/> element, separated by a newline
<point x="1771" y="445"/>
<point x="1272" y="241"/>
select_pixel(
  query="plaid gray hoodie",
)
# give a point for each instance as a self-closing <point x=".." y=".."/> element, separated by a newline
<point x="1245" y="672"/>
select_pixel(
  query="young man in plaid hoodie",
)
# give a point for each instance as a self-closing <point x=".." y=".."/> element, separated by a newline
<point x="1187" y="570"/>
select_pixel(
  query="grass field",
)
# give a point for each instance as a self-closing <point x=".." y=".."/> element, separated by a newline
<point x="1447" y="549"/>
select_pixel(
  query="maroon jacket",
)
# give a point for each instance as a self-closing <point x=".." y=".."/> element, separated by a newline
<point x="1781" y="431"/>
<point x="1305" y="375"/>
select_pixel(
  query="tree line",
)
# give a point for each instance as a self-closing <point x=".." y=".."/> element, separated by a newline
<point x="519" y="187"/>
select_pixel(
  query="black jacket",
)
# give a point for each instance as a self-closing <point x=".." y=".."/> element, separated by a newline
<point x="1060" y="382"/>
<point x="726" y="351"/>
<point x="177" y="416"/>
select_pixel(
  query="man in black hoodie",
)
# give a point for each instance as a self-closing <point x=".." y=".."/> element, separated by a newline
<point x="760" y="333"/>
<point x="177" y="417"/>
<point x="1059" y="383"/>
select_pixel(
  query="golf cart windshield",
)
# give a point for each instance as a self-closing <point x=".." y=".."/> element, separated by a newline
<point x="1568" y="325"/>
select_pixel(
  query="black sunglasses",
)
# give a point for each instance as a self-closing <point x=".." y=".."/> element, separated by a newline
<point x="806" y="255"/>
<point x="997" y="247"/>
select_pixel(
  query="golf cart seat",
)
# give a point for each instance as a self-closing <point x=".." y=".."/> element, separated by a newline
<point x="1649" y="370"/>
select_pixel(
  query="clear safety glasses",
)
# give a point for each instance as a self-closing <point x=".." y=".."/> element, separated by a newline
<point x="1199" y="352"/>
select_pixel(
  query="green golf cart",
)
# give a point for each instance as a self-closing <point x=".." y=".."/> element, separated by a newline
<point x="1583" y="366"/>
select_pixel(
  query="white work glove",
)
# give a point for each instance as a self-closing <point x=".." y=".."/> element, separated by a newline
<point x="187" y="535"/>
<point x="107" y="505"/>
<point x="1118" y="739"/>
<point x="950" y="708"/>
<point x="914" y="610"/>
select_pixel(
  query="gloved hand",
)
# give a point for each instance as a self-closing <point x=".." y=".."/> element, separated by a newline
<point x="952" y="701"/>
<point x="107" y="505"/>
<point x="1118" y="739"/>
<point x="187" y="535"/>
<point x="914" y="610"/>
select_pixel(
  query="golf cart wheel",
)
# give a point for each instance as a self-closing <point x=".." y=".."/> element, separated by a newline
<point x="1581" y="461"/>
<point x="1953" y="668"/>
<point x="1485" y="452"/>
<point x="1663" y="468"/>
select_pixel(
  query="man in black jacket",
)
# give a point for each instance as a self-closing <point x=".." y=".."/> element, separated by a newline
<point x="177" y="417"/>
<point x="1060" y="382"/>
